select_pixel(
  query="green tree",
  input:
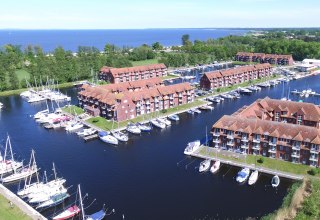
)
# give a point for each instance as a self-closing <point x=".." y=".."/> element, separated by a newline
<point x="157" y="46"/>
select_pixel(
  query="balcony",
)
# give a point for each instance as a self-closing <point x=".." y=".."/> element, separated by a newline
<point x="272" y="143"/>
<point x="272" y="150"/>
<point x="217" y="141"/>
<point x="230" y="143"/>
<point x="313" y="158"/>
<point x="295" y="147"/>
<point x="256" y="140"/>
<point x="256" y="147"/>
<point x="215" y="134"/>
<point x="230" y="136"/>
<point x="295" y="155"/>
<point x="244" y="147"/>
<point x="244" y="139"/>
<point x="314" y="150"/>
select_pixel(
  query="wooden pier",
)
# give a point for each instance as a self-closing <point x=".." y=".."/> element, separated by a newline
<point x="230" y="162"/>
<point x="90" y="137"/>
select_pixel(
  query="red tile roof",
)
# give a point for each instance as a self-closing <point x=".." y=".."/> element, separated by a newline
<point x="275" y="129"/>
<point x="116" y="71"/>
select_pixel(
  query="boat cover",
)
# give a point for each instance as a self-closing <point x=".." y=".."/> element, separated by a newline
<point x="102" y="133"/>
<point x="98" y="215"/>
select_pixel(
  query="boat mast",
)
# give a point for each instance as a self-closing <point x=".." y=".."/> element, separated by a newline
<point x="81" y="202"/>
<point x="54" y="171"/>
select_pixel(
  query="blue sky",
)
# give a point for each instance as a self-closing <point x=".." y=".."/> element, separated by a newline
<point x="123" y="14"/>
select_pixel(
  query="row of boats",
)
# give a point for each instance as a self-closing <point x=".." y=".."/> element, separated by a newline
<point x="304" y="93"/>
<point x="242" y="176"/>
<point x="113" y="137"/>
<point x="39" y="194"/>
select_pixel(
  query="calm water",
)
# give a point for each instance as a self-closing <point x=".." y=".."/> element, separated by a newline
<point x="141" y="179"/>
<point x="71" y="39"/>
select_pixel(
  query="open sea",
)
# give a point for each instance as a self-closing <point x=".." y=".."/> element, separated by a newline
<point x="71" y="39"/>
<point x="149" y="177"/>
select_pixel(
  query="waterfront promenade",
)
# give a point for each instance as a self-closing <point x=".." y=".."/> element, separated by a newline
<point x="233" y="159"/>
<point x="24" y="207"/>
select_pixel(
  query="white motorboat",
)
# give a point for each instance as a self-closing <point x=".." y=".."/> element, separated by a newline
<point x="204" y="165"/>
<point x="1" y="105"/>
<point x="36" y="98"/>
<point x="120" y="136"/>
<point x="107" y="138"/>
<point x="253" y="177"/>
<point x="41" y="114"/>
<point x="214" y="99"/>
<point x="23" y="172"/>
<point x="215" y="167"/>
<point x="144" y="127"/>
<point x="192" y="147"/>
<point x="226" y="96"/>
<point x="264" y="85"/>
<point x="254" y="88"/>
<point x="174" y="117"/>
<point x="206" y="107"/>
<point x="165" y="121"/>
<point x="73" y="126"/>
<point x="53" y="201"/>
<point x="243" y="175"/>
<point x="86" y="132"/>
<point x="7" y="162"/>
<point x="275" y="181"/>
<point x="158" y="123"/>
<point x="132" y="128"/>
<point x="244" y="90"/>
<point x="190" y="112"/>
<point x="196" y="110"/>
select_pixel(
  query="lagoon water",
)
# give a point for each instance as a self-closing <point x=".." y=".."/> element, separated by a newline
<point x="147" y="178"/>
<point x="71" y="39"/>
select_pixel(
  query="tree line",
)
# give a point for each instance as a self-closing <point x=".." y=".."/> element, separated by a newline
<point x="65" y="66"/>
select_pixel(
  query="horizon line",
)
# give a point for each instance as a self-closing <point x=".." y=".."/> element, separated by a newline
<point x="48" y="29"/>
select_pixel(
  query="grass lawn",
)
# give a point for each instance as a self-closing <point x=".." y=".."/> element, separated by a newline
<point x="22" y="75"/>
<point x="144" y="62"/>
<point x="169" y="77"/>
<point x="107" y="125"/>
<point x="73" y="110"/>
<point x="10" y="213"/>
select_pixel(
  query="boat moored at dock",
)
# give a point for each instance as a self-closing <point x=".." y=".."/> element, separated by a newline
<point x="243" y="175"/>
<point x="192" y="147"/>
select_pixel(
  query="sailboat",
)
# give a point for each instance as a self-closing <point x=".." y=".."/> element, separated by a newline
<point x="45" y="188"/>
<point x="119" y="134"/>
<point x="132" y="128"/>
<point x="95" y="216"/>
<point x="8" y="165"/>
<point x="42" y="112"/>
<point x="53" y="201"/>
<point x="24" y="172"/>
<point x="107" y="138"/>
<point x="205" y="165"/>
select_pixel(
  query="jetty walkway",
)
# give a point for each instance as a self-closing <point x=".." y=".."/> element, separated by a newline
<point x="209" y="153"/>
<point x="23" y="206"/>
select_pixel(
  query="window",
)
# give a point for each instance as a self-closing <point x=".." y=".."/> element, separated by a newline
<point x="281" y="147"/>
<point x="299" y="119"/>
<point x="277" y="116"/>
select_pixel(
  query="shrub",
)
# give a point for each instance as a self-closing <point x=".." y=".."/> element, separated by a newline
<point x="261" y="160"/>
<point x="314" y="171"/>
<point x="164" y="110"/>
<point x="95" y="120"/>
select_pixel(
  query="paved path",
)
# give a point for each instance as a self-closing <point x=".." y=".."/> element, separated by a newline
<point x="212" y="151"/>
<point x="24" y="207"/>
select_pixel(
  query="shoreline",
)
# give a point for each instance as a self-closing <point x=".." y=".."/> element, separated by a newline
<point x="23" y="206"/>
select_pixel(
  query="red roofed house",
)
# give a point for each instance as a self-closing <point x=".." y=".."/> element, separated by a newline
<point x="128" y="100"/>
<point x="227" y="77"/>
<point x="128" y="74"/>
<point x="264" y="58"/>
<point x="260" y="129"/>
